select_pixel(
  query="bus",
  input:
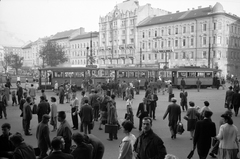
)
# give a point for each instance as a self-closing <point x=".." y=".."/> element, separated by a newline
<point x="73" y="75"/>
<point x="191" y="74"/>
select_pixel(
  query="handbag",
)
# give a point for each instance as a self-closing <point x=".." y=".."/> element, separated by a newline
<point x="111" y="128"/>
<point x="91" y="125"/>
<point x="34" y="109"/>
<point x="180" y="128"/>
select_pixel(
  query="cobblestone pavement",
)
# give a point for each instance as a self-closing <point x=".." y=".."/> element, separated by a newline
<point x="179" y="147"/>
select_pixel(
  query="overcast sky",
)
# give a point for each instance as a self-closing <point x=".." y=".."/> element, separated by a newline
<point x="27" y="20"/>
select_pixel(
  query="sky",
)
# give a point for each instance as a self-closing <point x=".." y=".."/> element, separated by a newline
<point x="22" y="21"/>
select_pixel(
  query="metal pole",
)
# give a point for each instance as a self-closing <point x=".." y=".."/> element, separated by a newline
<point x="87" y="56"/>
<point x="209" y="52"/>
<point x="91" y="61"/>
<point x="140" y="57"/>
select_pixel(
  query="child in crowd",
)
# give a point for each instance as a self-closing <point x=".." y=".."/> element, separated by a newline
<point x="14" y="99"/>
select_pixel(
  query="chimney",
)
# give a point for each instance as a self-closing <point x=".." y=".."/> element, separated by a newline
<point x="82" y="30"/>
<point x="199" y="7"/>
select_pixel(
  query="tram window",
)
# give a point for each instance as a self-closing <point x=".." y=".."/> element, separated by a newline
<point x="79" y="74"/>
<point x="142" y="75"/>
<point x="182" y="74"/>
<point x="191" y="74"/>
<point x="208" y="74"/>
<point x="200" y="74"/>
<point x="131" y="74"/>
<point x="69" y="74"/>
<point x="136" y="74"/>
<point x="58" y="74"/>
<point x="122" y="74"/>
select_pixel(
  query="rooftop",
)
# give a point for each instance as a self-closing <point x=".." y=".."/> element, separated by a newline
<point x="85" y="36"/>
<point x="27" y="46"/>
<point x="63" y="35"/>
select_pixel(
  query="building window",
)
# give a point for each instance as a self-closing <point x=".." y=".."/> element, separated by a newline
<point x="214" y="26"/>
<point x="191" y="41"/>
<point x="204" y="27"/>
<point x="149" y="56"/>
<point x="155" y="44"/>
<point x="162" y="31"/>
<point x="156" y="56"/>
<point x="176" y="43"/>
<point x="227" y="41"/>
<point x="214" y="40"/>
<point x="192" y="28"/>
<point x="162" y="44"/>
<point x="149" y="34"/>
<point x="184" y="42"/>
<point x="176" y="30"/>
<point x="169" y="43"/>
<point x="204" y="40"/>
<point x="131" y="32"/>
<point x="143" y="35"/>
<point x="123" y="32"/>
<point x="162" y="55"/>
<point x="184" y="29"/>
<point x="219" y="40"/>
<point x="191" y="55"/>
<point x="132" y="41"/>
<point x="214" y="54"/>
<point x="155" y="33"/>
<point x="143" y="57"/>
<point x="204" y="55"/>
<point x="184" y="55"/>
<point x="169" y="31"/>
<point x="176" y="55"/>
<point x="143" y="45"/>
<point x="149" y="45"/>
<point x="123" y="42"/>
<point x="219" y="25"/>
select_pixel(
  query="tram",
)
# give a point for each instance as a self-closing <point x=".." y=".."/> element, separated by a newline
<point x="129" y="74"/>
<point x="73" y="75"/>
<point x="191" y="74"/>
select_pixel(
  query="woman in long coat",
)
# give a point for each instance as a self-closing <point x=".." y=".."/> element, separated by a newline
<point x="112" y="118"/>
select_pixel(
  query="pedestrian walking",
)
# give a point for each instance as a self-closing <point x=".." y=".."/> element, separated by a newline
<point x="112" y="118"/>
<point x="32" y="91"/>
<point x="86" y="116"/>
<point x="126" y="146"/>
<point x="174" y="116"/>
<point x="198" y="83"/>
<point x="155" y="147"/>
<point x="236" y="101"/>
<point x="204" y="109"/>
<point x="3" y="105"/>
<point x="192" y="117"/>
<point x="129" y="103"/>
<point x="43" y="136"/>
<point x="94" y="102"/>
<point x="64" y="130"/>
<point x="182" y="84"/>
<point x="61" y="94"/>
<point x="228" y="98"/>
<point x="19" y="93"/>
<point x="152" y="103"/>
<point x="43" y="108"/>
<point x="22" y="149"/>
<point x="183" y="103"/>
<point x="170" y="92"/>
<point x="142" y="112"/>
<point x="74" y="104"/>
<point x="204" y="131"/>
<point x="54" y="111"/>
<point x="27" y="115"/>
<point x="228" y="136"/>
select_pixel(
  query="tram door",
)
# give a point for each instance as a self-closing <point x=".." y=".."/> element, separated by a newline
<point x="174" y="77"/>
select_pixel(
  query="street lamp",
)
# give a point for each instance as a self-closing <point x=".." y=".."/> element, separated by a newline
<point x="87" y="56"/>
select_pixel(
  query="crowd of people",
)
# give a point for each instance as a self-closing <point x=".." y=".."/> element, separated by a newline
<point x="96" y="106"/>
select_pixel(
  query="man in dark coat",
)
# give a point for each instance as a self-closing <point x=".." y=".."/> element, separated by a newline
<point x="98" y="146"/>
<point x="27" y="115"/>
<point x="43" y="137"/>
<point x="142" y="112"/>
<point x="152" y="102"/>
<point x="205" y="130"/>
<point x="236" y="101"/>
<point x="149" y="144"/>
<point x="174" y="115"/>
<point x="6" y="146"/>
<point x="183" y="103"/>
<point x="19" y="93"/>
<point x="86" y="115"/>
<point x="43" y="108"/>
<point x="182" y="84"/>
<point x="61" y="94"/>
<point x="94" y="102"/>
<point x="228" y="98"/>
<point x="58" y="145"/>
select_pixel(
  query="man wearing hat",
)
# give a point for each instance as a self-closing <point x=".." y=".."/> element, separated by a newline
<point x="174" y="115"/>
<point x="228" y="99"/>
<point x="83" y="150"/>
<point x="22" y="150"/>
<point x="204" y="108"/>
<point x="42" y="136"/>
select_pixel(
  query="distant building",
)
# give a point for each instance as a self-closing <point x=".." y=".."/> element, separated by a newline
<point x="27" y="54"/>
<point x="81" y="49"/>
<point x="118" y="32"/>
<point x="2" y="52"/>
<point x="187" y="37"/>
<point x="62" y="39"/>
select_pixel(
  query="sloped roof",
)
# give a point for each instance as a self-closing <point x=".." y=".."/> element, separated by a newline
<point x="128" y="5"/>
<point x="28" y="46"/>
<point x="177" y="16"/>
<point x="63" y="35"/>
<point x="85" y="36"/>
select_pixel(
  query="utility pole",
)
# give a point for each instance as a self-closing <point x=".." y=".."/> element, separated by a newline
<point x="91" y="58"/>
<point x="140" y="57"/>
<point x="209" y="52"/>
<point x="87" y="56"/>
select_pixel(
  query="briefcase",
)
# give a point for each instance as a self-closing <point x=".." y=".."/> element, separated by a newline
<point x="111" y="128"/>
<point x="172" y="95"/>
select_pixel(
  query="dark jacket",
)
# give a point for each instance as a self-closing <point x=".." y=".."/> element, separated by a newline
<point x="93" y="100"/>
<point x="86" y="113"/>
<point x="140" y="112"/>
<point x="154" y="146"/>
<point x="174" y="114"/>
<point x="20" y="91"/>
<point x="229" y="95"/>
<point x="43" y="108"/>
<point x="5" y="145"/>
<point x="24" y="151"/>
<point x="59" y="155"/>
<point x="98" y="147"/>
<point x="236" y="99"/>
<point x="204" y="131"/>
<point x="152" y="99"/>
<point x="83" y="151"/>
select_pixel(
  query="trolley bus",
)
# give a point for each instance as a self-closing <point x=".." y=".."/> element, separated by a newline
<point x="76" y="75"/>
<point x="191" y="74"/>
